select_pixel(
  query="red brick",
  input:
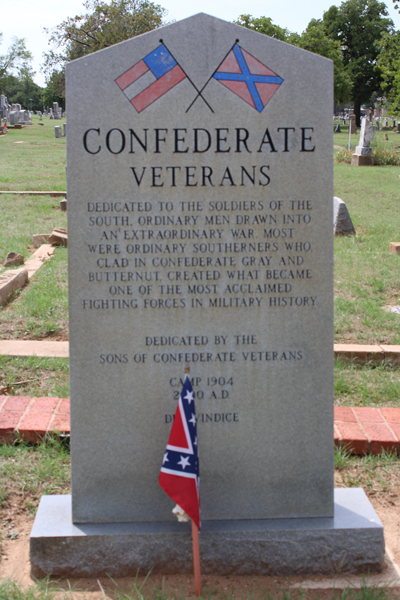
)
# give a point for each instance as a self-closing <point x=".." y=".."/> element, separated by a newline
<point x="9" y="419"/>
<point x="33" y="426"/>
<point x="381" y="437"/>
<point x="392" y="415"/>
<point x="61" y="423"/>
<point x="368" y="415"/>
<point x="64" y="406"/>
<point x="353" y="437"/>
<point x="344" y="413"/>
<point x="44" y="405"/>
<point x="2" y="400"/>
<point x="16" y="403"/>
<point x="8" y="422"/>
<point x="395" y="427"/>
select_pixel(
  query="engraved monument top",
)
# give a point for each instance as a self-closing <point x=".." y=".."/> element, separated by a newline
<point x="200" y="231"/>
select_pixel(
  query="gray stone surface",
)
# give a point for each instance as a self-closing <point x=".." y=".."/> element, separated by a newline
<point x="342" y="223"/>
<point x="200" y="231"/>
<point x="366" y="135"/>
<point x="10" y="282"/>
<point x="350" y="542"/>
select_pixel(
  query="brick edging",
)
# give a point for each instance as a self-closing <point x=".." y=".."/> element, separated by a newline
<point x="362" y="430"/>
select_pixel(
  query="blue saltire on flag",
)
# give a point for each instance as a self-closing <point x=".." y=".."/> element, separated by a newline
<point x="180" y="474"/>
<point x="248" y="78"/>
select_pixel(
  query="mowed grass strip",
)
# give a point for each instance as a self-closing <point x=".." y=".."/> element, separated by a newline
<point x="23" y="216"/>
<point x="32" y="158"/>
<point x="40" y="309"/>
<point x="366" y="385"/>
<point x="367" y="275"/>
<point x="34" y="377"/>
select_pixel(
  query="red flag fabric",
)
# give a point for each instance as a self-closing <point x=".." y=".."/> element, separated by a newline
<point x="180" y="474"/>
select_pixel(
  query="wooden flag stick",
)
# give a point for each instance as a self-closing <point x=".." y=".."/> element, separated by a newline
<point x="195" y="539"/>
<point x="196" y="559"/>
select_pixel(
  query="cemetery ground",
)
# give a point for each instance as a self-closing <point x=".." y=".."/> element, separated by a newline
<point x="367" y="285"/>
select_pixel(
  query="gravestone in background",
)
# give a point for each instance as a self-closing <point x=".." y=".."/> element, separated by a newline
<point x="200" y="232"/>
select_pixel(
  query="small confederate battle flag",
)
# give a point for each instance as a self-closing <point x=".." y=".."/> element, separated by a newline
<point x="180" y="476"/>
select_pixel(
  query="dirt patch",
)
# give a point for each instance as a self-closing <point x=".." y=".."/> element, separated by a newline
<point x="16" y="524"/>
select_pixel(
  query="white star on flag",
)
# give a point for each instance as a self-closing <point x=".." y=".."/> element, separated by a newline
<point x="193" y="420"/>
<point x="189" y="397"/>
<point x="184" y="462"/>
<point x="165" y="458"/>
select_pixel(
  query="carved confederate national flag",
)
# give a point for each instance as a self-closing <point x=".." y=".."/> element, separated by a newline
<point x="180" y="476"/>
<point x="248" y="78"/>
<point x="150" y="78"/>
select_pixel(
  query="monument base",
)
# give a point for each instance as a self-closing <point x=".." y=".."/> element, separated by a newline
<point x="362" y="160"/>
<point x="350" y="542"/>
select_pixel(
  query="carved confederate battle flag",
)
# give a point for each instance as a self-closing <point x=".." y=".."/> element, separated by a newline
<point x="149" y="79"/>
<point x="180" y="476"/>
<point x="248" y="78"/>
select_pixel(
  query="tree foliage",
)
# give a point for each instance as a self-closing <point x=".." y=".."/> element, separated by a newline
<point x="314" y="39"/>
<point x="102" y="25"/>
<point x="23" y="90"/>
<point x="265" y="25"/>
<point x="389" y="66"/>
<point x="358" y="25"/>
<point x="16" y="56"/>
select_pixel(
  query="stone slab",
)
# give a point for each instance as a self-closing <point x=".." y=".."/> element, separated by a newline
<point x="394" y="247"/>
<point x="360" y="354"/>
<point x="10" y="282"/>
<point x="342" y="223"/>
<point x="240" y="195"/>
<point x="362" y="160"/>
<point x="43" y="253"/>
<point x="42" y="348"/>
<point x="392" y="353"/>
<point x="350" y="542"/>
<point x="31" y="193"/>
<point x="40" y="238"/>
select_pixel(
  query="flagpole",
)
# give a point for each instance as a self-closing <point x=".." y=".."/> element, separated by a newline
<point x="196" y="559"/>
<point x="195" y="540"/>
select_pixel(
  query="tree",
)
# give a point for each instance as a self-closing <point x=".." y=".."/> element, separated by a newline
<point x="100" y="27"/>
<point x="15" y="56"/>
<point x="314" y="39"/>
<point x="23" y="90"/>
<point x="264" y="25"/>
<point x="389" y="66"/>
<point x="358" y="25"/>
<point x="55" y="89"/>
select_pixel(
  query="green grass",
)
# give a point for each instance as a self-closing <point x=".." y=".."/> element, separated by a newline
<point x="375" y="473"/>
<point x="29" y="472"/>
<point x="35" y="377"/>
<point x="366" y="385"/>
<point x="32" y="158"/>
<point x="367" y="276"/>
<point x="23" y="216"/>
<point x="40" y="310"/>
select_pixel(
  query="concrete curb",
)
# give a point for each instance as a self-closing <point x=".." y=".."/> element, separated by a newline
<point x="355" y="353"/>
<point x="54" y="193"/>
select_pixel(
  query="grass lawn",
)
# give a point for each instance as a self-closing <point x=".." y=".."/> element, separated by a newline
<point x="32" y="158"/>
